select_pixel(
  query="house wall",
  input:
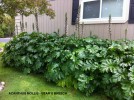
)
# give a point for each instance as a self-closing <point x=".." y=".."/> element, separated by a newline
<point x="47" y="25"/>
<point x="17" y="24"/>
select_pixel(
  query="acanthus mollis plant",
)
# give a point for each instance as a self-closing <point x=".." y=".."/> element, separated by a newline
<point x="109" y="27"/>
<point x="66" y="25"/>
<point x="90" y="65"/>
<point x="77" y="24"/>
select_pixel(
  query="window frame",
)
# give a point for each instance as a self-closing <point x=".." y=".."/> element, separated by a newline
<point x="123" y="19"/>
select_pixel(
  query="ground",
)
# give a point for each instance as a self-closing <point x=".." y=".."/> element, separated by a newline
<point x="18" y="82"/>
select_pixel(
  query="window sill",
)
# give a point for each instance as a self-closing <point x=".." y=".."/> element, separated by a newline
<point x="100" y="21"/>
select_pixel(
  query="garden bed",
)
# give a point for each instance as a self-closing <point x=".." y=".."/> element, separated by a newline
<point x="90" y="65"/>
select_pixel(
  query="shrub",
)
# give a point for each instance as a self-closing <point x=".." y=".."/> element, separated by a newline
<point x="90" y="65"/>
<point x="6" y="26"/>
<point x="1" y="33"/>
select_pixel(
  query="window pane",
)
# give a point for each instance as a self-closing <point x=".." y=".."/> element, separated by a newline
<point x="112" y="7"/>
<point x="91" y="9"/>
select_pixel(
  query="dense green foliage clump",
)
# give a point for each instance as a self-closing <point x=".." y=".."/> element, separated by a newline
<point x="90" y="65"/>
<point x="6" y="26"/>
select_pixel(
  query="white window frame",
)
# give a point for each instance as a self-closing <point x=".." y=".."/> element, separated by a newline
<point x="123" y="19"/>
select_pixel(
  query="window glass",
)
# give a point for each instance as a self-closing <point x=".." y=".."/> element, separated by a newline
<point x="112" y="7"/>
<point x="91" y="9"/>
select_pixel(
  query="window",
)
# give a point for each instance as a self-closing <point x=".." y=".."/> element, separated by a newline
<point x="98" y="11"/>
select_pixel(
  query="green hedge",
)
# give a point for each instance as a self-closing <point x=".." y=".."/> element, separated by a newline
<point x="90" y="65"/>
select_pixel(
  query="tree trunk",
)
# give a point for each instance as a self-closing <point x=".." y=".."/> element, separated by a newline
<point x="22" y="22"/>
<point x="36" y="21"/>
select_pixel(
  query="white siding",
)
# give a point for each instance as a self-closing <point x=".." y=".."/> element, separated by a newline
<point x="17" y="24"/>
<point x="47" y="25"/>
